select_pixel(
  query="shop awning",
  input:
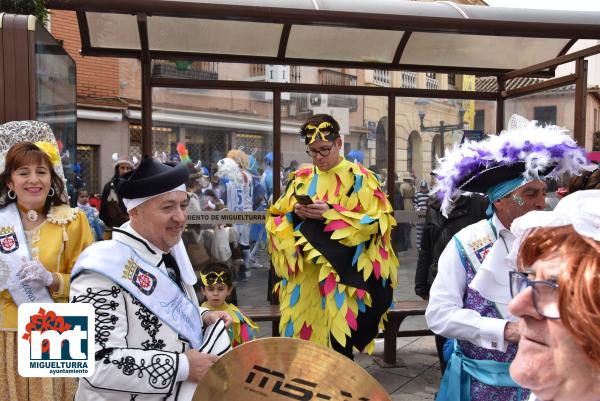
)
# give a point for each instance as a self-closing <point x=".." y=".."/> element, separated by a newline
<point x="215" y="121"/>
<point x="383" y="34"/>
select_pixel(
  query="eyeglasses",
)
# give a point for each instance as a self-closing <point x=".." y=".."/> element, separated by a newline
<point x="323" y="152"/>
<point x="544" y="293"/>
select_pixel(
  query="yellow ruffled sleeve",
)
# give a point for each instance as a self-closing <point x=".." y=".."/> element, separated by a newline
<point x="80" y="237"/>
<point x="77" y="236"/>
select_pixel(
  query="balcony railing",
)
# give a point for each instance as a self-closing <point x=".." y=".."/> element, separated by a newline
<point x="195" y="70"/>
<point x="381" y="77"/>
<point x="409" y="79"/>
<point x="431" y="83"/>
<point x="331" y="77"/>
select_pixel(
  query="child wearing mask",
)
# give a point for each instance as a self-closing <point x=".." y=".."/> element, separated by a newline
<point x="216" y="286"/>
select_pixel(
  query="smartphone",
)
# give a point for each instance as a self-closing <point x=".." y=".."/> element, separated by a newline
<point x="303" y="199"/>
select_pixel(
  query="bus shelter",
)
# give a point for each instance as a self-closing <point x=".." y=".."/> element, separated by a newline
<point x="380" y="37"/>
<point x="415" y="96"/>
<point x="37" y="82"/>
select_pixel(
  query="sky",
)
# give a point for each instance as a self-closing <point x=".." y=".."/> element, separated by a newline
<point x="584" y="5"/>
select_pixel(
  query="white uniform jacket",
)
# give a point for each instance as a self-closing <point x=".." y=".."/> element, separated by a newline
<point x="138" y="357"/>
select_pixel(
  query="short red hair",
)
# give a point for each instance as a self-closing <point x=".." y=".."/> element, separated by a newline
<point x="578" y="282"/>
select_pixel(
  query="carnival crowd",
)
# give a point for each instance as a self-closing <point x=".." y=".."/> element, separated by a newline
<point x="510" y="270"/>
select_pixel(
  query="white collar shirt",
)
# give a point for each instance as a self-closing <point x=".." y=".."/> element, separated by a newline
<point x="492" y="278"/>
<point x="445" y="313"/>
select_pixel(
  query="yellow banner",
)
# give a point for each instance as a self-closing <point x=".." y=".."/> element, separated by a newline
<point x="468" y="84"/>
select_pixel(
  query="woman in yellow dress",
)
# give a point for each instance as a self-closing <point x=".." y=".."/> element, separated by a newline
<point x="55" y="235"/>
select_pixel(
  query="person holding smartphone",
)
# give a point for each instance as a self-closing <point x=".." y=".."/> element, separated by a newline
<point x="333" y="289"/>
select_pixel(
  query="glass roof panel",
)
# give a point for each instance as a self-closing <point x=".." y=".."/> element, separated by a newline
<point x="115" y="31"/>
<point x="479" y="51"/>
<point x="431" y="9"/>
<point x="344" y="44"/>
<point x="443" y="34"/>
<point x="214" y="36"/>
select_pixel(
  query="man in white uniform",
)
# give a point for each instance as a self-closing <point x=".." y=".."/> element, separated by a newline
<point x="149" y="326"/>
<point x="469" y="297"/>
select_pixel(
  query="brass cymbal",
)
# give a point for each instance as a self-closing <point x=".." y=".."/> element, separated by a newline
<point x="284" y="369"/>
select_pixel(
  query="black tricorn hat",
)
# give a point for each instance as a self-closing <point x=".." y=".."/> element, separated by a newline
<point x="151" y="178"/>
<point x="481" y="181"/>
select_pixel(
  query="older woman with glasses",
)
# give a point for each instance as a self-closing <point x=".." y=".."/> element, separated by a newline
<point x="556" y="293"/>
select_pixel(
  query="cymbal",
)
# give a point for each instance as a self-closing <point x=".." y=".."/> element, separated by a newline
<point x="284" y="369"/>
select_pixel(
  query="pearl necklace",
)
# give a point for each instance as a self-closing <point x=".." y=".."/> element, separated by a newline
<point x="32" y="215"/>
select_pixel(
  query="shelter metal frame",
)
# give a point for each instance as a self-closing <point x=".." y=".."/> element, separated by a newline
<point x="410" y="23"/>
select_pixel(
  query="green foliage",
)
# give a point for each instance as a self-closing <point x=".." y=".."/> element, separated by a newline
<point x="32" y="7"/>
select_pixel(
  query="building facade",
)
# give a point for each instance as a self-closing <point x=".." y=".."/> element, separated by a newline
<point x="210" y="122"/>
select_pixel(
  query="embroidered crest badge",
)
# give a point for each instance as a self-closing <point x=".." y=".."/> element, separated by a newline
<point x="481" y="247"/>
<point x="481" y="253"/>
<point x="142" y="279"/>
<point x="8" y="240"/>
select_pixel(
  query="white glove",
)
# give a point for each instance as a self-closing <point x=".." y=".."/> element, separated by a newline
<point x="33" y="270"/>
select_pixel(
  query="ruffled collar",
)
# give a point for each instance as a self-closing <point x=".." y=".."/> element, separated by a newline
<point x="62" y="214"/>
<point x="334" y="169"/>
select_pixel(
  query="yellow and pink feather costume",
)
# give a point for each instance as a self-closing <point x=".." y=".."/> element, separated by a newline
<point x="336" y="276"/>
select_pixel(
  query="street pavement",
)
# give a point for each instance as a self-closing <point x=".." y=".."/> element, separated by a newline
<point x="417" y="376"/>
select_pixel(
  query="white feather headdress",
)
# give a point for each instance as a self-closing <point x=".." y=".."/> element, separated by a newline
<point x="525" y="148"/>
